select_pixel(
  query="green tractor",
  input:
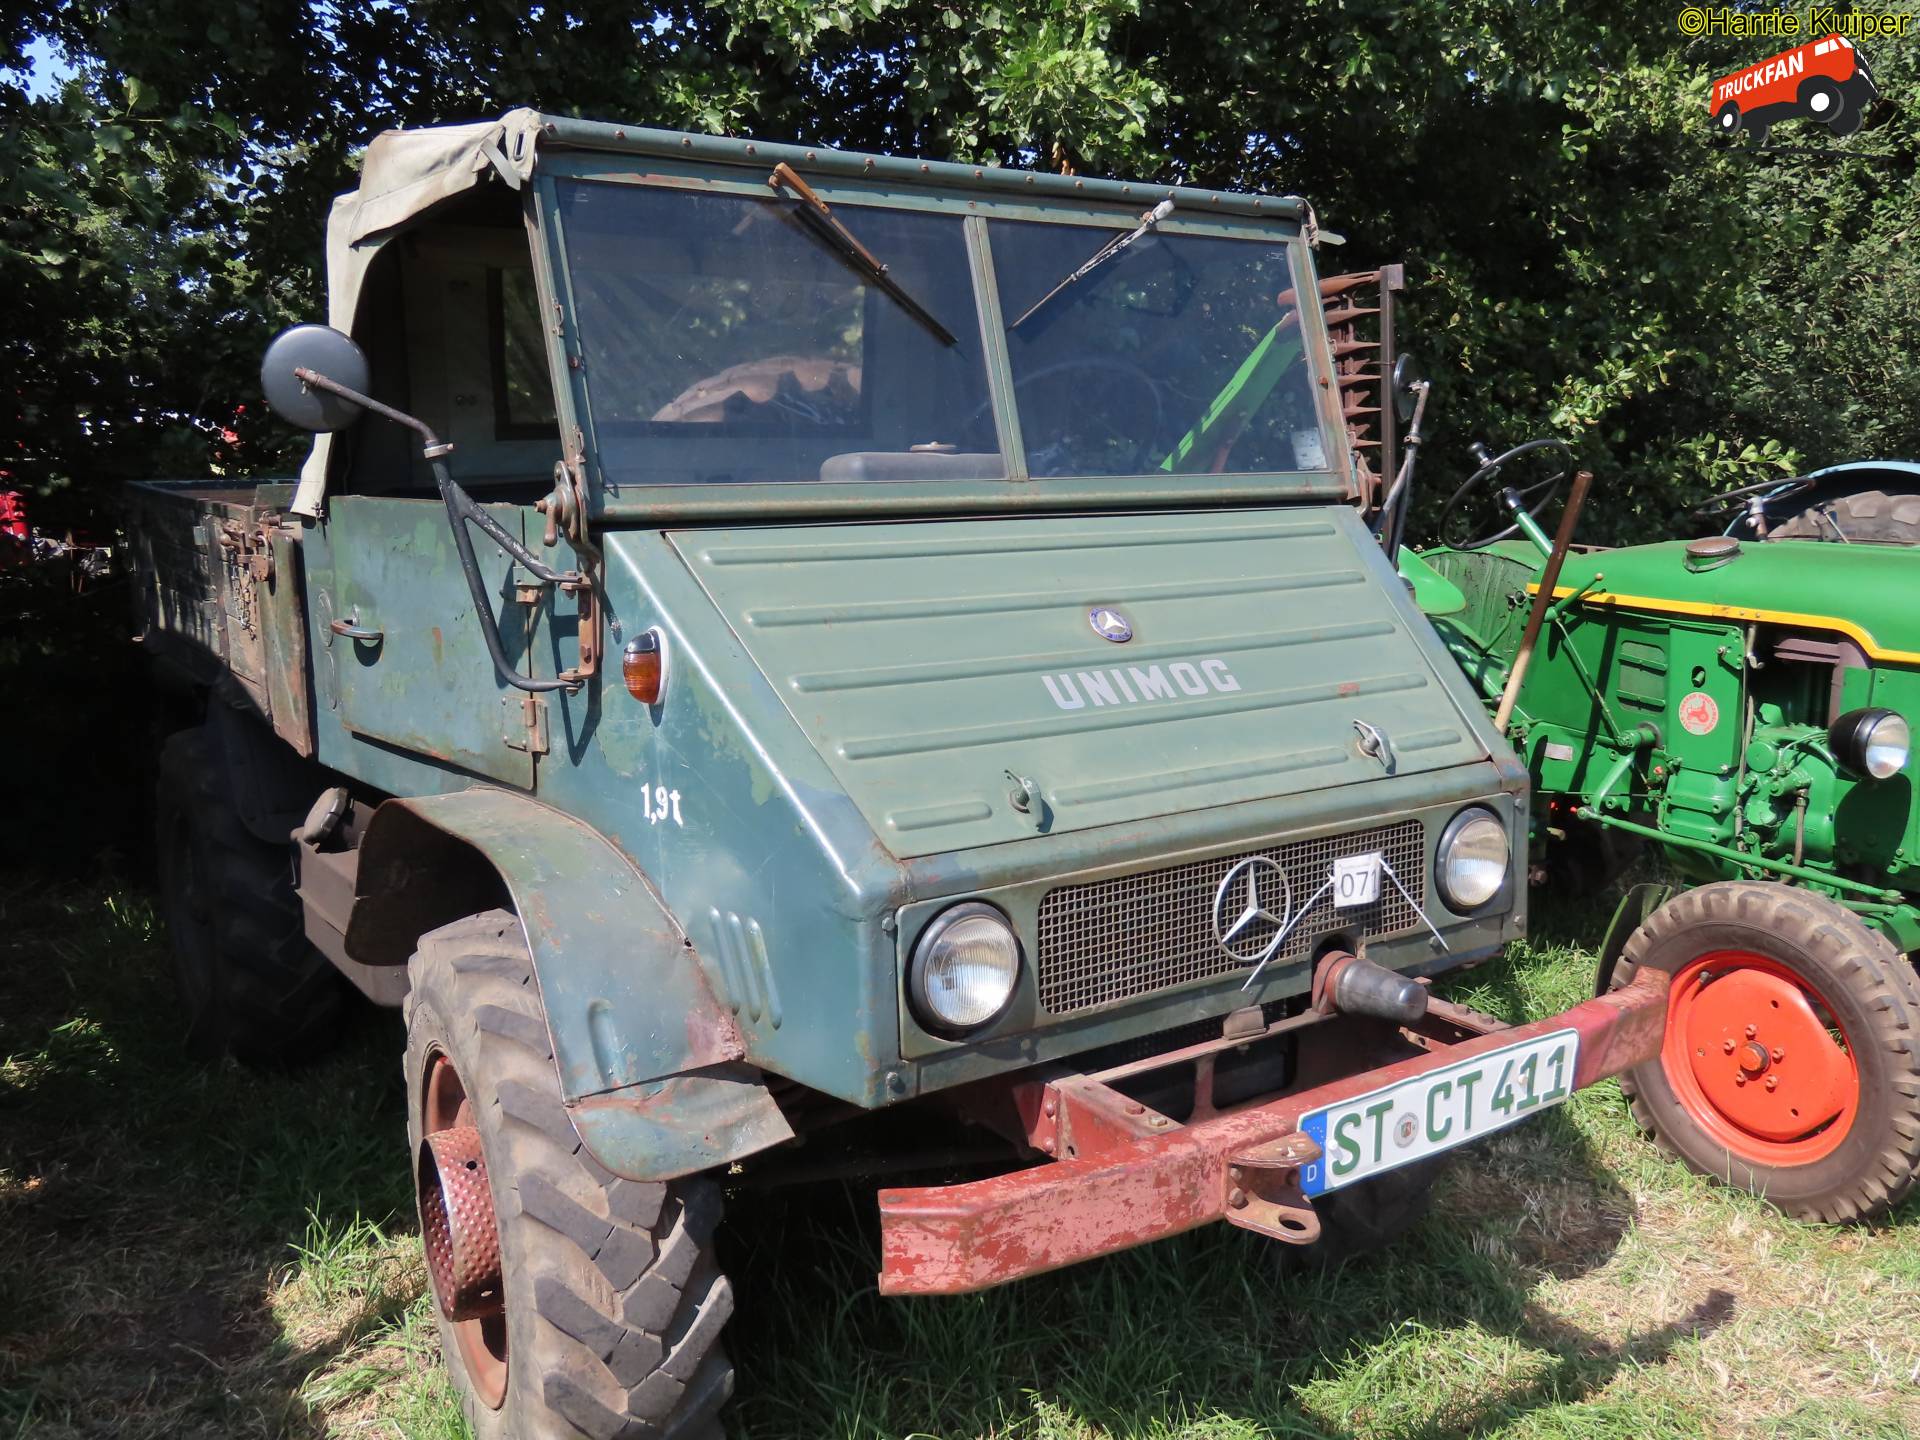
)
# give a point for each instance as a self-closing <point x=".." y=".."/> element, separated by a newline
<point x="1743" y="711"/>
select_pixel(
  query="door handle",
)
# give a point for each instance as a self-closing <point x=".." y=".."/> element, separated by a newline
<point x="354" y="631"/>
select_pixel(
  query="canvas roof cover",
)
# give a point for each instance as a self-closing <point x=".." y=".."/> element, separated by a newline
<point x="404" y="174"/>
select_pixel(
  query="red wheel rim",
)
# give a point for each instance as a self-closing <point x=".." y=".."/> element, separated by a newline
<point x="1759" y="1059"/>
<point x="483" y="1342"/>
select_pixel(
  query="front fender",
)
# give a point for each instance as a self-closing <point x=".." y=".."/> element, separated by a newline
<point x="648" y="1058"/>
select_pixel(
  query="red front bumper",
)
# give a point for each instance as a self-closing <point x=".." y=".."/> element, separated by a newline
<point x="1123" y="1174"/>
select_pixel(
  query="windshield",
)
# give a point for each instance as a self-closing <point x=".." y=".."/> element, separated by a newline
<point x="724" y="341"/>
<point x="1178" y="353"/>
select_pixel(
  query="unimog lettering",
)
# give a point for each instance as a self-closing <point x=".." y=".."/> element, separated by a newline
<point x="1135" y="684"/>
<point x="764" y="469"/>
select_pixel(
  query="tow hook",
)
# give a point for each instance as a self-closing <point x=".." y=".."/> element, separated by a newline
<point x="1354" y="985"/>
<point x="1263" y="1190"/>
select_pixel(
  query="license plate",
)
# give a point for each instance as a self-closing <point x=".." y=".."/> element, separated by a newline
<point x="1356" y="880"/>
<point x="1398" y="1124"/>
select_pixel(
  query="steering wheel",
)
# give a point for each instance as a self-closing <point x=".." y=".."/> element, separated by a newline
<point x="1467" y="509"/>
<point x="1106" y="365"/>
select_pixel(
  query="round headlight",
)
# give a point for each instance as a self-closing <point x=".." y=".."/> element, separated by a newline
<point x="1873" y="742"/>
<point x="963" y="969"/>
<point x="1471" y="865"/>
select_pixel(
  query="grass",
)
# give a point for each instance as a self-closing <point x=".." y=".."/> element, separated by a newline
<point x="192" y="1251"/>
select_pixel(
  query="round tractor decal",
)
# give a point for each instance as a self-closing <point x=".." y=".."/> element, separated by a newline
<point x="1699" y="713"/>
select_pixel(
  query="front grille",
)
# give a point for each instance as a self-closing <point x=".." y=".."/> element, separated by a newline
<point x="1137" y="934"/>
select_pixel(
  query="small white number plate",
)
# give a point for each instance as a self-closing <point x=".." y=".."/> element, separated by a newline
<point x="1398" y="1124"/>
<point x="1356" y="879"/>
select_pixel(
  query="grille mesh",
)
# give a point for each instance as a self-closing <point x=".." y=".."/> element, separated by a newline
<point x="1136" y="934"/>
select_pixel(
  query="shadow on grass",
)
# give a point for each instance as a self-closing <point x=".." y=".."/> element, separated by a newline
<point x="150" y="1206"/>
<point x="1206" y="1334"/>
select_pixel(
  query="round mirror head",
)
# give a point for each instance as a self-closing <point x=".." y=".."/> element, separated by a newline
<point x="325" y="351"/>
<point x="1407" y="376"/>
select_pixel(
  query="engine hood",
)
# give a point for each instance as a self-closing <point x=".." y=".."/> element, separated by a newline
<point x="1113" y="667"/>
<point x="1864" y="591"/>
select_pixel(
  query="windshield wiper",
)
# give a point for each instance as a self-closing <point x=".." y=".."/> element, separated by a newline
<point x="819" y="219"/>
<point x="1100" y="257"/>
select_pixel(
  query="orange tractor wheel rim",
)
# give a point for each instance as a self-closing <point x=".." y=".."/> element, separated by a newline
<point x="1759" y="1059"/>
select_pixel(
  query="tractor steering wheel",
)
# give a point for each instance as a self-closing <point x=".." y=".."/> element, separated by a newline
<point x="1143" y="384"/>
<point x="1460" y="517"/>
<point x="1751" y="498"/>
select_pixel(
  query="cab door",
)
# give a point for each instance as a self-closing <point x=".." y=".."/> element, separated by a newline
<point x="455" y="337"/>
<point x="399" y="654"/>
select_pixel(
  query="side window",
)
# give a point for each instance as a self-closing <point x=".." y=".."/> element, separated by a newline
<point x="522" y="394"/>
<point x="477" y="367"/>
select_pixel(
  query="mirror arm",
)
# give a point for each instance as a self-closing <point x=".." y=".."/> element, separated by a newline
<point x="462" y="510"/>
<point x="313" y="379"/>
<point x="462" y="506"/>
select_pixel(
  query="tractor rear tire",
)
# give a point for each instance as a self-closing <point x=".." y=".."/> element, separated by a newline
<point x="1869" y="515"/>
<point x="250" y="981"/>
<point x="610" y="1303"/>
<point x="1781" y="1000"/>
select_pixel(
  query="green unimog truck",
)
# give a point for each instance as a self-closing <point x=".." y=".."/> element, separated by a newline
<point x="767" y="636"/>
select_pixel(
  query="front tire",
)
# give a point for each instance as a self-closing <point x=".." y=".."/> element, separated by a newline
<point x="604" y="1316"/>
<point x="1791" y="1064"/>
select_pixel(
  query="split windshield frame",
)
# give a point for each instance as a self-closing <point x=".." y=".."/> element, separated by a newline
<point x="746" y="174"/>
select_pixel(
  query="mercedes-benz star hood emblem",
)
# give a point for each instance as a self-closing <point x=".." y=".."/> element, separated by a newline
<point x="1251" y="909"/>
<point x="1110" y="624"/>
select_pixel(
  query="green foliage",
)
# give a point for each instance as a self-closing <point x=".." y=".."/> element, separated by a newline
<point x="1584" y="259"/>
<point x="134" y="308"/>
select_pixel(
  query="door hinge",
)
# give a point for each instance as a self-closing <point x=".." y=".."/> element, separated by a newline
<point x="523" y="723"/>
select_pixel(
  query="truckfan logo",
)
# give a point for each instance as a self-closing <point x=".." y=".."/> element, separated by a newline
<point x="1825" y="80"/>
<point x="1256" y="931"/>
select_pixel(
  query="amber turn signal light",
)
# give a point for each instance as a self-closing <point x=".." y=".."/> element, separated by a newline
<point x="643" y="667"/>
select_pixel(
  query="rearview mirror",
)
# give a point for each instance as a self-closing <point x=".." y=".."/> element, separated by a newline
<point x="325" y="351"/>
<point x="1407" y="379"/>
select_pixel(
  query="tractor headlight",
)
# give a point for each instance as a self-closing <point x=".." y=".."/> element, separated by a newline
<point x="963" y="968"/>
<point x="1470" y="866"/>
<point x="1872" y="742"/>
